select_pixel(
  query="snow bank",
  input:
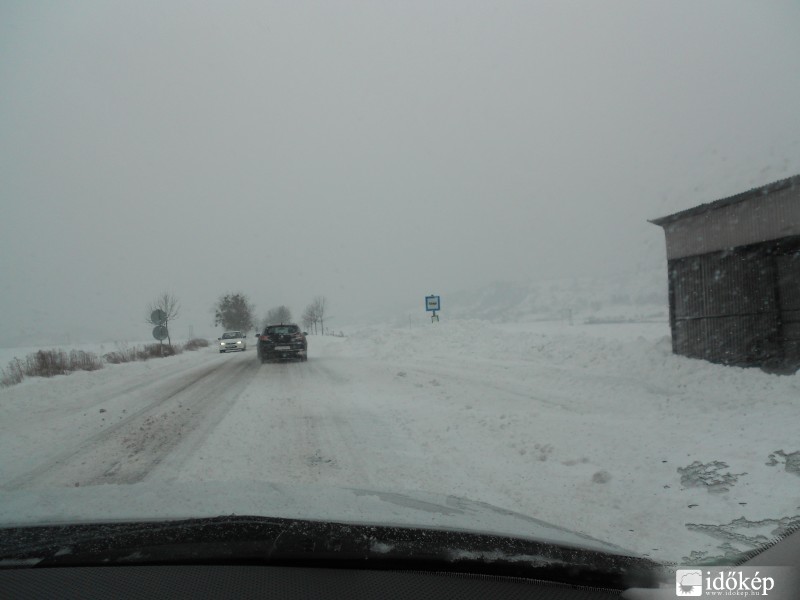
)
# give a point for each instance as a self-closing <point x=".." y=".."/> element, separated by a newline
<point x="649" y="358"/>
<point x="613" y="434"/>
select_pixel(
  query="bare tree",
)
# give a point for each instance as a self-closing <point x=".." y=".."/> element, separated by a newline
<point x="277" y="316"/>
<point x="315" y="314"/>
<point x="319" y="311"/>
<point x="234" y="311"/>
<point x="308" y="318"/>
<point x="168" y="304"/>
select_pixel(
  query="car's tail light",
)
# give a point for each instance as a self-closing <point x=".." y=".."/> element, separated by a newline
<point x="264" y="338"/>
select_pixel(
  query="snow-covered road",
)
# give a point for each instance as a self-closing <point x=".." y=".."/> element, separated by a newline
<point x="616" y="438"/>
<point x="139" y="426"/>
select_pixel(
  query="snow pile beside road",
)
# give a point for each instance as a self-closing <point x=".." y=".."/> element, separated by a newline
<point x="646" y="359"/>
<point x="669" y="452"/>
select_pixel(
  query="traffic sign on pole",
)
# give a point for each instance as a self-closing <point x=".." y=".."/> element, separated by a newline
<point x="432" y="304"/>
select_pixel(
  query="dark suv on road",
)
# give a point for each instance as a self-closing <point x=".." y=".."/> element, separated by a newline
<point x="282" y="341"/>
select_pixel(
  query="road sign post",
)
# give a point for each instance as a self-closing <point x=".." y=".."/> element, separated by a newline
<point x="433" y="304"/>
<point x="160" y="333"/>
<point x="158" y="318"/>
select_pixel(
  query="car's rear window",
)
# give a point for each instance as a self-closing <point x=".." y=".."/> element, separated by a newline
<point x="283" y="329"/>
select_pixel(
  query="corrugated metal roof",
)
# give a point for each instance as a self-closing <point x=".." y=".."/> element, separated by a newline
<point x="764" y="190"/>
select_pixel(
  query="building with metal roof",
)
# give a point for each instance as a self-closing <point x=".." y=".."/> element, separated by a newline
<point x="734" y="278"/>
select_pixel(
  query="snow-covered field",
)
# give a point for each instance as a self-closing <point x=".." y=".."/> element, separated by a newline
<point x="598" y="428"/>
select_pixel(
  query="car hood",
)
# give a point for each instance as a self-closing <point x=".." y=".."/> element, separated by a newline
<point x="148" y="501"/>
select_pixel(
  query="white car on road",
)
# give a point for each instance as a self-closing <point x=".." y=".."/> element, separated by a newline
<point x="232" y="340"/>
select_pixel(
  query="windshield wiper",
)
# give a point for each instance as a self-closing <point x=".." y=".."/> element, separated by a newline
<point x="264" y="540"/>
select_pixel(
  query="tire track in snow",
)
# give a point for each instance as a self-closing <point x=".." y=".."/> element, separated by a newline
<point x="130" y="448"/>
<point x="312" y="440"/>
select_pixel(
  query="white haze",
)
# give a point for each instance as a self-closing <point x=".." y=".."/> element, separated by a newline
<point x="372" y="152"/>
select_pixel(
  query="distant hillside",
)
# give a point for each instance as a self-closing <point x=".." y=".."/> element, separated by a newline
<point x="639" y="296"/>
<point x="636" y="295"/>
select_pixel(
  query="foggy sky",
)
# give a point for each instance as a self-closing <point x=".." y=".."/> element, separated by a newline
<point x="372" y="152"/>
